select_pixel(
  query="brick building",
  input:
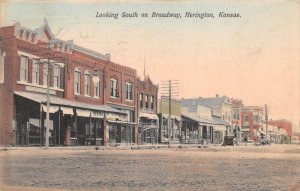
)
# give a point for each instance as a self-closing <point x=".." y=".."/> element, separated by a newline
<point x="251" y="120"/>
<point x="93" y="100"/>
<point x="147" y="111"/>
<point x="284" y="124"/>
<point x="237" y="106"/>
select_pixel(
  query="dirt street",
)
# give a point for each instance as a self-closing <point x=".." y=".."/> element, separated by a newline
<point x="240" y="168"/>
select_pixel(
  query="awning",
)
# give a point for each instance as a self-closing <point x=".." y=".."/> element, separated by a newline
<point x="35" y="122"/>
<point x="201" y="121"/>
<point x="219" y="128"/>
<point x="166" y="116"/>
<point x="95" y="114"/>
<point x="67" y="110"/>
<point x="52" y="108"/>
<point x="112" y="117"/>
<point x="146" y="127"/>
<point x="41" y="98"/>
<point x="121" y="122"/>
<point x="148" y="115"/>
<point x="83" y="113"/>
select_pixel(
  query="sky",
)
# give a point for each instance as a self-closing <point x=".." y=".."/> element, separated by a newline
<point x="255" y="57"/>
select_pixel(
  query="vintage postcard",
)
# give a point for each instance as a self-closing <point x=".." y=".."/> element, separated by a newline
<point x="149" y="95"/>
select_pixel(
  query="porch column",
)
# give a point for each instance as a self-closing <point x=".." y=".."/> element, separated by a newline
<point x="105" y="131"/>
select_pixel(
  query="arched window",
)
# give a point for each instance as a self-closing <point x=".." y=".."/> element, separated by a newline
<point x="77" y="77"/>
<point x="114" y="89"/>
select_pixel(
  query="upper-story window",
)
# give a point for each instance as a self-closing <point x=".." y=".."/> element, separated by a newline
<point x="56" y="76"/>
<point x="152" y="102"/>
<point x="128" y="91"/>
<point x="114" y="89"/>
<point x="147" y="101"/>
<point x="35" y="72"/>
<point x="24" y="69"/>
<point x="87" y="82"/>
<point x="96" y="89"/>
<point x="77" y="77"/>
<point x="45" y="74"/>
<point x="141" y="100"/>
<point x="246" y="120"/>
<point x="256" y="117"/>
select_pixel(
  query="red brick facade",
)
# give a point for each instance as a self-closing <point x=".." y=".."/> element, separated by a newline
<point x="17" y="41"/>
<point x="282" y="123"/>
<point x="251" y="120"/>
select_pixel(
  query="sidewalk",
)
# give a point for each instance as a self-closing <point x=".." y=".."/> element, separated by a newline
<point x="117" y="147"/>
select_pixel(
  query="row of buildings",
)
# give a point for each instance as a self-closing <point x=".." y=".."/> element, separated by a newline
<point x="94" y="101"/>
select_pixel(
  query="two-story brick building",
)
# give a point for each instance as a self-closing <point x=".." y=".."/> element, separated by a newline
<point x="251" y="121"/>
<point x="147" y="111"/>
<point x="92" y="99"/>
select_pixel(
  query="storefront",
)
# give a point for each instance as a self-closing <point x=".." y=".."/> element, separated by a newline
<point x="174" y="131"/>
<point x="148" y="128"/>
<point x="71" y="123"/>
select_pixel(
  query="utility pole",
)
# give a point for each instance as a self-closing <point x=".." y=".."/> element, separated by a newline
<point x="169" y="123"/>
<point x="266" y="119"/>
<point x="48" y="62"/>
<point x="170" y="89"/>
<point x="48" y="104"/>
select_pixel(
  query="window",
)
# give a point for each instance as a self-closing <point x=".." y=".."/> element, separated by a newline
<point x="77" y="76"/>
<point x="256" y="117"/>
<point x="147" y="101"/>
<point x="96" y="89"/>
<point x="246" y="120"/>
<point x="114" y="92"/>
<point x="56" y="76"/>
<point x="24" y="69"/>
<point x="152" y="102"/>
<point x="141" y="100"/>
<point x="45" y="74"/>
<point x="87" y="82"/>
<point x="35" y="72"/>
<point x="128" y="91"/>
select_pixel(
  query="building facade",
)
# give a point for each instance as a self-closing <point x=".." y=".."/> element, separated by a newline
<point x="251" y="121"/>
<point x="92" y="99"/>
<point x="237" y="106"/>
<point x="147" y="111"/>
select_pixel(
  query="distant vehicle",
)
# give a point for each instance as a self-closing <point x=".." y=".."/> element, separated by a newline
<point x="228" y="140"/>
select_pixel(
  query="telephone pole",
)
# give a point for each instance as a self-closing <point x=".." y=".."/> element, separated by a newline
<point x="170" y="89"/>
<point x="266" y="119"/>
